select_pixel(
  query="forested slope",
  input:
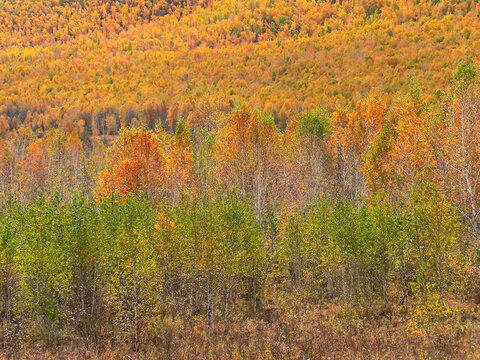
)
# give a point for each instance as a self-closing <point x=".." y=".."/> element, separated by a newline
<point x="94" y="66"/>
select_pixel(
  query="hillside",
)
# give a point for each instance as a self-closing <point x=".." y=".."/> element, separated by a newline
<point x="94" y="66"/>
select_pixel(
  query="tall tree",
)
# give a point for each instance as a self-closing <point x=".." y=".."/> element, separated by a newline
<point x="136" y="163"/>
<point x="353" y="134"/>
<point x="458" y="136"/>
<point x="308" y="157"/>
<point x="180" y="163"/>
<point x="250" y="156"/>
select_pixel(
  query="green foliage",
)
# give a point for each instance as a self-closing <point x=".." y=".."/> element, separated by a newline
<point x="181" y="127"/>
<point x="362" y="249"/>
<point x="212" y="243"/>
<point x="128" y="255"/>
<point x="8" y="268"/>
<point x="465" y="75"/>
<point x="120" y="266"/>
<point x="429" y="238"/>
<point x="314" y="123"/>
<point x="284" y="20"/>
<point x="44" y="258"/>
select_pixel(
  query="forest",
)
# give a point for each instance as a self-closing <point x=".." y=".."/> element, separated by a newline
<point x="264" y="179"/>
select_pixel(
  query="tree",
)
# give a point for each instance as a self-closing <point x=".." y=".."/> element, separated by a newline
<point x="250" y="156"/>
<point x="9" y="284"/>
<point x="35" y="167"/>
<point x="458" y="145"/>
<point x="45" y="266"/>
<point x="212" y="251"/>
<point x="86" y="311"/>
<point x="180" y="163"/>
<point x="308" y="158"/>
<point x="401" y="151"/>
<point x="129" y="258"/>
<point x="425" y="254"/>
<point x="353" y="134"/>
<point x="136" y="163"/>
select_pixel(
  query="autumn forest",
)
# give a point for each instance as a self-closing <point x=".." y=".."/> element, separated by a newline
<point x="239" y="179"/>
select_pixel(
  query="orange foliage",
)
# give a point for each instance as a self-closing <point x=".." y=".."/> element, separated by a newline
<point x="35" y="164"/>
<point x="92" y="65"/>
<point x="136" y="163"/>
<point x="180" y="163"/>
<point x="250" y="156"/>
<point x="353" y="134"/>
